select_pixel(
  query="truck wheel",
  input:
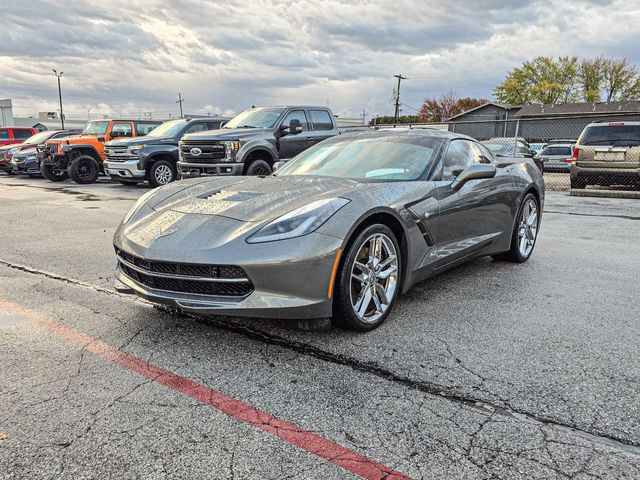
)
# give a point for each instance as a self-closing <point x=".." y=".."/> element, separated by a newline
<point x="84" y="169"/>
<point x="161" y="173"/>
<point x="53" y="175"/>
<point x="578" y="183"/>
<point x="258" y="167"/>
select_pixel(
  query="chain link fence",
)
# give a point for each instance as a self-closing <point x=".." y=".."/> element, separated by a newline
<point x="607" y="157"/>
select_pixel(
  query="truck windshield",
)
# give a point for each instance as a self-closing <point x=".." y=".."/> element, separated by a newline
<point x="167" y="129"/>
<point x="255" y="118"/>
<point x="387" y="158"/>
<point x="96" y="128"/>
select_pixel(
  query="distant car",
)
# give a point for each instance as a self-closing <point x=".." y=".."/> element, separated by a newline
<point x="15" y="135"/>
<point x="607" y="153"/>
<point x="14" y="158"/>
<point x="557" y="157"/>
<point x="506" y="147"/>
<point x="537" y="147"/>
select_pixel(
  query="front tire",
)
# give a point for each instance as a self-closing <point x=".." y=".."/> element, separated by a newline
<point x="84" y="169"/>
<point x="161" y="173"/>
<point x="53" y="175"/>
<point x="368" y="281"/>
<point x="525" y="231"/>
<point x="259" y="167"/>
<point x="578" y="183"/>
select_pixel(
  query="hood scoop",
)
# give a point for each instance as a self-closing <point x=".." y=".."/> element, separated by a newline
<point x="227" y="196"/>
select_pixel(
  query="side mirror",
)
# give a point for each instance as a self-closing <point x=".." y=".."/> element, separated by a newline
<point x="279" y="164"/>
<point x="474" y="172"/>
<point x="295" y="127"/>
<point x="222" y="124"/>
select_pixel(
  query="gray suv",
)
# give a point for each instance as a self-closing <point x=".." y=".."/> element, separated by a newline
<point x="251" y="142"/>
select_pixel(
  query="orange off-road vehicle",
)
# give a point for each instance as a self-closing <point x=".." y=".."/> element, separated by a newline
<point x="80" y="157"/>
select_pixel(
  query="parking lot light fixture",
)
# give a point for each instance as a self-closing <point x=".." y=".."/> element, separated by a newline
<point x="58" y="75"/>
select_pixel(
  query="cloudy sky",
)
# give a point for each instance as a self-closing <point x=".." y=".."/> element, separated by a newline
<point x="224" y="55"/>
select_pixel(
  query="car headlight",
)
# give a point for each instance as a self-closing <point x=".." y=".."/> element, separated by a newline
<point x="299" y="222"/>
<point x="231" y="148"/>
<point x="13" y="150"/>
<point x="135" y="148"/>
<point x="140" y="209"/>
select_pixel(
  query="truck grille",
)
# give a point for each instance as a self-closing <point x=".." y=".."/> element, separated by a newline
<point x="118" y="153"/>
<point x="211" y="151"/>
<point x="194" y="278"/>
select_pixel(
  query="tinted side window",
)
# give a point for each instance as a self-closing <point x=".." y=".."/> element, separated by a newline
<point x="321" y="120"/>
<point x="121" y="129"/>
<point x="144" y="128"/>
<point x="4" y="135"/>
<point x="22" y="134"/>
<point x="297" y="115"/>
<point x="460" y="155"/>
<point x="214" y="125"/>
<point x="196" y="127"/>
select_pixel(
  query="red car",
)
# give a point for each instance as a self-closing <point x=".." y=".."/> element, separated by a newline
<point x="12" y="135"/>
<point x="33" y="140"/>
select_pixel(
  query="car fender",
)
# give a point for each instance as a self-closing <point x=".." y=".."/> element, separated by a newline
<point x="69" y="147"/>
<point x="253" y="146"/>
<point x="160" y="151"/>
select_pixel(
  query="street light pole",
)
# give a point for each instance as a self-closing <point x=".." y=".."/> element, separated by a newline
<point x="58" y="75"/>
<point x="397" y="109"/>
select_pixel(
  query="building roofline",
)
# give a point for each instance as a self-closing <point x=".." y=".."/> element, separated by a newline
<point x="495" y="104"/>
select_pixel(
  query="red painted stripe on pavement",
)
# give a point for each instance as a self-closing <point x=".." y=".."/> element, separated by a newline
<point x="290" y="433"/>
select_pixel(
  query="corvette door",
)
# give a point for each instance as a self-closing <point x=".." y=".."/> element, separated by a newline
<point x="475" y="216"/>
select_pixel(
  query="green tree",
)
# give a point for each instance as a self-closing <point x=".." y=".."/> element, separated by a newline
<point x="621" y="81"/>
<point x="590" y="77"/>
<point x="541" y="80"/>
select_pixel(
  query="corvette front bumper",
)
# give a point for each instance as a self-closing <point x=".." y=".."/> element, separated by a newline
<point x="290" y="278"/>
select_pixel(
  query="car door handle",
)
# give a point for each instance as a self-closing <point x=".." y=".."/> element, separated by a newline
<point x="310" y="139"/>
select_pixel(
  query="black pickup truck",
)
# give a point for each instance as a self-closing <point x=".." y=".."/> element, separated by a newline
<point x="251" y="142"/>
<point x="154" y="156"/>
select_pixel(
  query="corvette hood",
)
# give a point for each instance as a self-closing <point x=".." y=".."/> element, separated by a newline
<point x="255" y="199"/>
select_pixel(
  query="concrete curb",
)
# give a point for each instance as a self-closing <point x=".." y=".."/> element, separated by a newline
<point x="604" y="193"/>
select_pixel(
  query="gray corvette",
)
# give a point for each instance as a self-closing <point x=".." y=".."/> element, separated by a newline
<point x="339" y="231"/>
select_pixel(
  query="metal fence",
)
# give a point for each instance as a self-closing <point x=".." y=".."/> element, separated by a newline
<point x="611" y="161"/>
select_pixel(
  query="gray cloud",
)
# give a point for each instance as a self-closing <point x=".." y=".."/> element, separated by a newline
<point x="136" y="55"/>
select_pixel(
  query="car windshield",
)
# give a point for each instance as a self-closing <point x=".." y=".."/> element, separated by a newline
<point x="255" y="118"/>
<point x="374" y="159"/>
<point x="38" y="138"/>
<point x="96" y="128"/>
<point x="500" y="149"/>
<point x="167" y="129"/>
<point x="612" y="134"/>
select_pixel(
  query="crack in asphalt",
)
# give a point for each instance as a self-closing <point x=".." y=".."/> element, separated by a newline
<point x="361" y="366"/>
<point x="603" y="215"/>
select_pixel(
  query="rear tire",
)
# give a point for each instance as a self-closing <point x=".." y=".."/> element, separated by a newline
<point x="53" y="175"/>
<point x="355" y="305"/>
<point x="84" y="169"/>
<point x="258" y="167"/>
<point x="526" y="224"/>
<point x="578" y="183"/>
<point x="161" y="173"/>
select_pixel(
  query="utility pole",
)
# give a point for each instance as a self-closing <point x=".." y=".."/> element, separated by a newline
<point x="60" y="96"/>
<point x="180" y="100"/>
<point x="397" y="112"/>
<point x="364" y="116"/>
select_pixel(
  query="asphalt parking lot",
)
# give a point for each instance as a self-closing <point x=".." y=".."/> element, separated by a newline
<point x="491" y="370"/>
